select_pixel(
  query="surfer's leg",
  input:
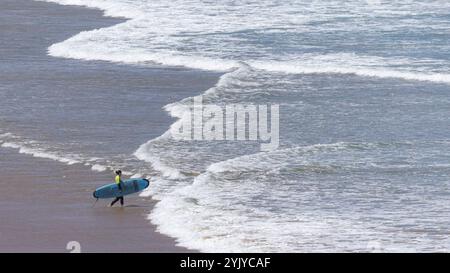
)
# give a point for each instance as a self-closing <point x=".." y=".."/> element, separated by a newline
<point x="121" y="201"/>
<point x="114" y="201"/>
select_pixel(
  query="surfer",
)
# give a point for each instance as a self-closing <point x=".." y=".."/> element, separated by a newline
<point x="120" y="184"/>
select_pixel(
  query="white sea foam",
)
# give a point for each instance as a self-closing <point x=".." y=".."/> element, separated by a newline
<point x="366" y="66"/>
<point x="165" y="170"/>
<point x="41" y="150"/>
<point x="145" y="193"/>
<point x="5" y="135"/>
<point x="214" y="214"/>
<point x="36" y="152"/>
<point x="200" y="220"/>
<point x="10" y="145"/>
<point x="196" y="62"/>
<point x="99" y="168"/>
<point x="157" y="28"/>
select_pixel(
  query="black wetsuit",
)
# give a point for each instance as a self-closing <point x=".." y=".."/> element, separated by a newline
<point x="120" y="198"/>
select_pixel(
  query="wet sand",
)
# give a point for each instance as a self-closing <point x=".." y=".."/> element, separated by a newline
<point x="45" y="204"/>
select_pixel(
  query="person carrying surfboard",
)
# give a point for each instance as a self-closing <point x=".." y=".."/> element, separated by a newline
<point x="119" y="183"/>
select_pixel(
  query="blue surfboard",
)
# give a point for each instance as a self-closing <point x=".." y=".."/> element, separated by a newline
<point x="130" y="186"/>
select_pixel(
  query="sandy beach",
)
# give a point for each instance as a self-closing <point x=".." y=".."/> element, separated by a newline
<point x="44" y="204"/>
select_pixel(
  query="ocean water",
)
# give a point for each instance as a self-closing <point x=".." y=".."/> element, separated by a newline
<point x="364" y="94"/>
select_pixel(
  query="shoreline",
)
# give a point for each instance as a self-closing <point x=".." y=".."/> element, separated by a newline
<point x="51" y="206"/>
<point x="44" y="204"/>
